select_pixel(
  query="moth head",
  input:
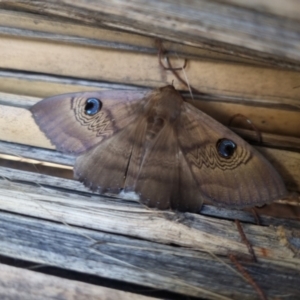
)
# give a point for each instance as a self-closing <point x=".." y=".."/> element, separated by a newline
<point x="92" y="106"/>
<point x="166" y="103"/>
<point x="226" y="148"/>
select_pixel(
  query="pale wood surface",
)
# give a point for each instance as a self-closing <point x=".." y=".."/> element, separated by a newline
<point x="107" y="249"/>
<point x="287" y="9"/>
<point x="17" y="283"/>
<point x="259" y="33"/>
<point x="21" y="25"/>
<point x="143" y="69"/>
<point x="48" y="219"/>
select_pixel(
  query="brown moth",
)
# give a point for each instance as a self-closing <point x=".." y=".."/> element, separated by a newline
<point x="154" y="144"/>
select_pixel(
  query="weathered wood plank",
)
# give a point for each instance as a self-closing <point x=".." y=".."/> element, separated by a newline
<point x="37" y="86"/>
<point x="224" y="79"/>
<point x="25" y="25"/>
<point x="286" y="208"/>
<point x="132" y="219"/>
<point x="38" y="154"/>
<point x="287" y="163"/>
<point x="214" y="25"/>
<point x="266" y="118"/>
<point x="15" y="122"/>
<point x="287" y="9"/>
<point x="17" y="283"/>
<point x="186" y="269"/>
<point x="273" y="140"/>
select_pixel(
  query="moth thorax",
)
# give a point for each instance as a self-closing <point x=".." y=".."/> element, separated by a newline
<point x="155" y="123"/>
<point x="169" y="103"/>
<point x="167" y="109"/>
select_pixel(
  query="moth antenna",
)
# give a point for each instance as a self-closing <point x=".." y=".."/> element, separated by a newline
<point x="187" y="80"/>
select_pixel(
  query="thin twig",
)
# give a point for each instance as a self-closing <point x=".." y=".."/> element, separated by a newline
<point x="248" y="277"/>
<point x="245" y="240"/>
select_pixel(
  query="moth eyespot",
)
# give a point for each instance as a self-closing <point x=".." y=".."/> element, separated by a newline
<point x="92" y="106"/>
<point x="226" y="148"/>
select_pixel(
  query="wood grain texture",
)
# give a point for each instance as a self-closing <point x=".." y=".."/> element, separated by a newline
<point x="129" y="217"/>
<point x="270" y="116"/>
<point x="17" y="283"/>
<point x="21" y="24"/>
<point x="45" y="57"/>
<point x="13" y="126"/>
<point x="106" y="249"/>
<point x="275" y="115"/>
<point x="287" y="9"/>
<point x="55" y="47"/>
<point x="218" y="26"/>
<point x="274" y="140"/>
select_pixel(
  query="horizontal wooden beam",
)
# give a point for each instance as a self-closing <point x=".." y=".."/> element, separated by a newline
<point x="257" y="30"/>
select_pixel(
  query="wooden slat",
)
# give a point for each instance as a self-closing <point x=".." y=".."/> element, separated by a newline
<point x="38" y="154"/>
<point x="225" y="79"/>
<point x="25" y="25"/>
<point x="14" y="125"/>
<point x="107" y="249"/>
<point x="16" y="283"/>
<point x="273" y="140"/>
<point x="41" y="86"/>
<point x="24" y="158"/>
<point x="266" y="119"/>
<point x="287" y="163"/>
<point x="214" y="25"/>
<point x="144" y="223"/>
<point x="284" y="8"/>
